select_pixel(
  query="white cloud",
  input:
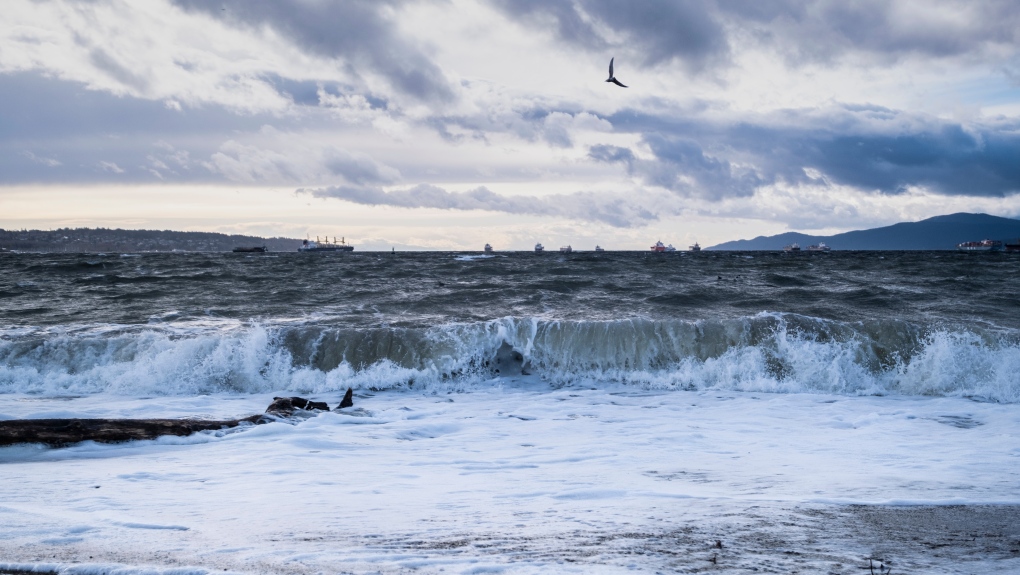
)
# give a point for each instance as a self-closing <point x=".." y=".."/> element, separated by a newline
<point x="153" y="51"/>
<point x="48" y="162"/>
<point x="110" y="167"/>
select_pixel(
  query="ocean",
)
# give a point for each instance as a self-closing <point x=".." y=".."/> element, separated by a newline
<point x="518" y="412"/>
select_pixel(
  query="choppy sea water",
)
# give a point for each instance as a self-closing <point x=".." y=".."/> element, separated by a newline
<point x="908" y="323"/>
<point x="519" y="414"/>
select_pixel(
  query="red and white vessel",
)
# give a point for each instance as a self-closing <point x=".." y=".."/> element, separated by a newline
<point x="659" y="247"/>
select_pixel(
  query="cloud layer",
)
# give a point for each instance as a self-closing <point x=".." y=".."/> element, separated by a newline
<point x="614" y="211"/>
<point x="869" y="148"/>
<point x="700" y="34"/>
<point x="398" y="102"/>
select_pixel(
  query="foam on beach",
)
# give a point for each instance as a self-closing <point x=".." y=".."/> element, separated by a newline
<point x="515" y="481"/>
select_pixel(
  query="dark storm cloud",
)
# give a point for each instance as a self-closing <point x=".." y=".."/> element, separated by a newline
<point x="583" y="206"/>
<point x="658" y="31"/>
<point x="682" y="166"/>
<point x="868" y="148"/>
<point x="702" y="33"/>
<point x="947" y="159"/>
<point x="356" y="30"/>
<point x="826" y="29"/>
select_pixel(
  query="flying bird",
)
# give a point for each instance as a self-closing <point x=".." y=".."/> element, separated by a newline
<point x="612" y="78"/>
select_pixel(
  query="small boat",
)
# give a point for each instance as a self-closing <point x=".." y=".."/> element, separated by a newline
<point x="659" y="247"/>
<point x="599" y="248"/>
<point x="670" y="248"/>
<point x="488" y="249"/>
<point x="566" y="249"/>
<point x="251" y="250"/>
<point x="819" y="247"/>
<point x="792" y="248"/>
<point x="695" y="247"/>
<point x="539" y="248"/>
<point x="325" y="245"/>
<point x="1013" y="246"/>
<point x="982" y="246"/>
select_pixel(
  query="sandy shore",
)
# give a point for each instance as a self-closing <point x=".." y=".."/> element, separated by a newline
<point x="804" y="539"/>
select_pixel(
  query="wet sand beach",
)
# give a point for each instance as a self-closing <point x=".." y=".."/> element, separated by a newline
<point x="805" y="539"/>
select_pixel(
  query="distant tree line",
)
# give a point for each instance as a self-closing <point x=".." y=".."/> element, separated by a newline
<point x="91" y="240"/>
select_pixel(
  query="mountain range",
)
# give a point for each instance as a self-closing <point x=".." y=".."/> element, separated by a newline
<point x="937" y="233"/>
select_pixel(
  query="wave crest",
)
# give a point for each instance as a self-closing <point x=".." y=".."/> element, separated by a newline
<point x="783" y="353"/>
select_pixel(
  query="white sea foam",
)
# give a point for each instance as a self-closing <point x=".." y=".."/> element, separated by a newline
<point x="611" y="479"/>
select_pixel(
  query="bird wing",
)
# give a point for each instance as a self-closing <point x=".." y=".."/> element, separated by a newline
<point x="617" y="82"/>
<point x="611" y="66"/>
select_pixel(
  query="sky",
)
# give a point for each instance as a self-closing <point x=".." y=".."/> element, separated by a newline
<point x="448" y="124"/>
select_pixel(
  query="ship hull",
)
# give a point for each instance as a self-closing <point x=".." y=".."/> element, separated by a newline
<point x="328" y="249"/>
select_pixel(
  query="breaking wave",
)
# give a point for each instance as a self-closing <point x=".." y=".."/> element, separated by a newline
<point x="767" y="352"/>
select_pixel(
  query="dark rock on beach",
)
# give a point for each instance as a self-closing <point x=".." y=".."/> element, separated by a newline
<point x="63" y="432"/>
<point x="286" y="406"/>
<point x="348" y="400"/>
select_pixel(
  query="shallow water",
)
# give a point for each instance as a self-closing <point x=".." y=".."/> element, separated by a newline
<point x="915" y="323"/>
<point x="512" y="480"/>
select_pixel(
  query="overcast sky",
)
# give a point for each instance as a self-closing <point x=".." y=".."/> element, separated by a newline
<point x="447" y="124"/>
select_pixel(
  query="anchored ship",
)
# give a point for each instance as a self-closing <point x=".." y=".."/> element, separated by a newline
<point x="325" y="245"/>
<point x="982" y="246"/>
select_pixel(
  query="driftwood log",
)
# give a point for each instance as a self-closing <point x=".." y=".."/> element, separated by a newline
<point x="63" y="432"/>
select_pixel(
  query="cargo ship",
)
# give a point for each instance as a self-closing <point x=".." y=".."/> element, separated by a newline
<point x="325" y="245"/>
